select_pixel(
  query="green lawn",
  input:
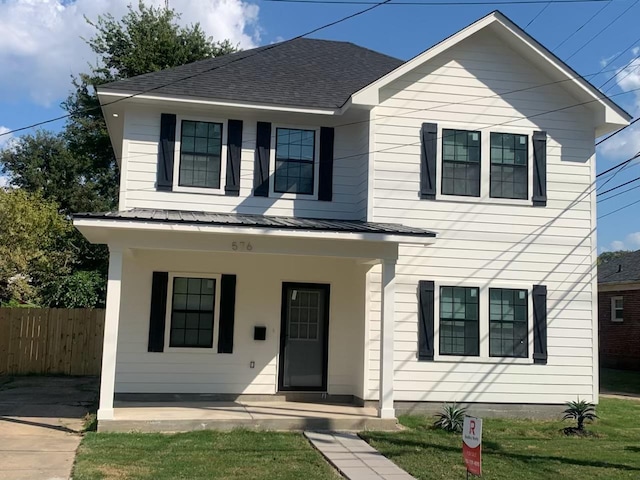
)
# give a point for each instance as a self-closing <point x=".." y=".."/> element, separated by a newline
<point x="619" y="381"/>
<point x="521" y="449"/>
<point x="207" y="455"/>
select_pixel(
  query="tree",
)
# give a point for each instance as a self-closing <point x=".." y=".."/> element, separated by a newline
<point x="43" y="163"/>
<point x="605" y="257"/>
<point x="34" y="247"/>
<point x="77" y="168"/>
<point x="146" y="39"/>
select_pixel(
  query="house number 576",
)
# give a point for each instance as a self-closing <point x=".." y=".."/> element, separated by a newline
<point x="244" y="246"/>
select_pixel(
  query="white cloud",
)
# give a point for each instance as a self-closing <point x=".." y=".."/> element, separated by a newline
<point x="4" y="139"/>
<point x="41" y="44"/>
<point x="630" y="242"/>
<point x="627" y="143"/>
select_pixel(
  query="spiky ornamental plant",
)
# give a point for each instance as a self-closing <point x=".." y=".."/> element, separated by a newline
<point x="580" y="411"/>
<point x="450" y="418"/>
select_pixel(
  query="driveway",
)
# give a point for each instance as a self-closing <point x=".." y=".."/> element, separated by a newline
<point x="41" y="419"/>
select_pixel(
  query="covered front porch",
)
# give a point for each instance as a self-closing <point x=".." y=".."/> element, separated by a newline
<point x="266" y="414"/>
<point x="287" y="318"/>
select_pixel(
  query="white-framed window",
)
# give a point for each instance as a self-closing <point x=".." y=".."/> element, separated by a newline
<point x="484" y="165"/>
<point x="617" y="309"/>
<point x="200" y="155"/>
<point x="294" y="162"/>
<point x="490" y="323"/>
<point x="193" y="306"/>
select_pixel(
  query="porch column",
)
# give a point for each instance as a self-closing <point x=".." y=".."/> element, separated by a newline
<point x="110" y="343"/>
<point x="387" y="327"/>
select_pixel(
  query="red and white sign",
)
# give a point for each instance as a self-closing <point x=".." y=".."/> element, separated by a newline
<point x="472" y="444"/>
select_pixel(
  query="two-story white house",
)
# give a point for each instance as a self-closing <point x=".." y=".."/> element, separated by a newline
<point x="314" y="216"/>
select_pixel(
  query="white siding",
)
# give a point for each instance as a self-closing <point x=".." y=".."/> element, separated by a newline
<point x="139" y="165"/>
<point x="258" y="302"/>
<point x="484" y="242"/>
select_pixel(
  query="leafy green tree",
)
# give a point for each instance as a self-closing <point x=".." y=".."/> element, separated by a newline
<point x="77" y="168"/>
<point x="146" y="39"/>
<point x="605" y="257"/>
<point x="34" y="247"/>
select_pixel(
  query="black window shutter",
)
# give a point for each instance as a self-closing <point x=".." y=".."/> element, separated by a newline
<point x="325" y="177"/>
<point x="234" y="152"/>
<point x="426" y="311"/>
<point x="166" y="152"/>
<point x="539" y="169"/>
<point x="540" y="324"/>
<point x="261" y="168"/>
<point x="158" y="311"/>
<point x="428" y="153"/>
<point x="227" y="313"/>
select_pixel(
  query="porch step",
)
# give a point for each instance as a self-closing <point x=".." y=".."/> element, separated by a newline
<point x="282" y="416"/>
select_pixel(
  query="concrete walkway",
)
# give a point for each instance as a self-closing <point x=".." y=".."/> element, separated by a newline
<point x="40" y="423"/>
<point x="355" y="458"/>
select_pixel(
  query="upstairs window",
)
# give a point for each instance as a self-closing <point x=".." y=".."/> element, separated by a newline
<point x="508" y="320"/>
<point x="617" y="309"/>
<point x="295" y="156"/>
<point x="459" y="324"/>
<point x="509" y="166"/>
<point x="200" y="154"/>
<point x="461" y="163"/>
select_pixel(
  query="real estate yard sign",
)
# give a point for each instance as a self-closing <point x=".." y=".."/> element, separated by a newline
<point x="472" y="445"/>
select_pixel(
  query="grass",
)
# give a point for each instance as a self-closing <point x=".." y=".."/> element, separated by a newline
<point x="238" y="454"/>
<point x="620" y="381"/>
<point x="523" y="449"/>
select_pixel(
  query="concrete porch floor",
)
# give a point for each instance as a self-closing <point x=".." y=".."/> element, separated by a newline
<point x="261" y="415"/>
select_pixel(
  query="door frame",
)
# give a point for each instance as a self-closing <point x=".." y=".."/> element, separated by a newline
<point x="283" y="328"/>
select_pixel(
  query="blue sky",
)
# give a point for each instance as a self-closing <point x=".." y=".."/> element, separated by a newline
<point x="40" y="48"/>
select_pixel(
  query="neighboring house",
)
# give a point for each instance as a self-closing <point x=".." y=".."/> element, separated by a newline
<point x="313" y="216"/>
<point x="619" y="311"/>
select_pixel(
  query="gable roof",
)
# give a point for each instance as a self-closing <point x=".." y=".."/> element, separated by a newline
<point x="613" y="115"/>
<point x="302" y="73"/>
<point x="622" y="269"/>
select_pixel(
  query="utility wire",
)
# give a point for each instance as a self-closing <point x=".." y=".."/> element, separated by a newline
<point x="602" y="30"/>
<point x="618" y="209"/>
<point x="625" y="162"/>
<point x="610" y="62"/>
<point x="256" y="52"/>
<point x="619" y="193"/>
<point x="537" y="15"/>
<point x="617" y="131"/>
<point x="581" y="26"/>
<point x="619" y="186"/>
<point x="434" y="4"/>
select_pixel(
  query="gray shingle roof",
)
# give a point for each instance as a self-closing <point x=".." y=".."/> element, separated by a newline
<point x="303" y="72"/>
<point x="258" y="221"/>
<point x="625" y="268"/>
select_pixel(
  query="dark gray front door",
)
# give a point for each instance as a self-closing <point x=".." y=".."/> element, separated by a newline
<point x="304" y="337"/>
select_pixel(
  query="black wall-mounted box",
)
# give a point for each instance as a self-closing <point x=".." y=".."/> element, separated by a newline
<point x="259" y="333"/>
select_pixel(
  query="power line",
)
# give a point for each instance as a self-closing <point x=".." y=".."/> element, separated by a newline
<point x="256" y="52"/>
<point x="633" y="44"/>
<point x="625" y="162"/>
<point x="618" y="209"/>
<point x="617" y="131"/>
<point x="435" y="4"/>
<point x="602" y="30"/>
<point x="619" y="186"/>
<point x="581" y="26"/>
<point x="619" y="193"/>
<point x="537" y="15"/>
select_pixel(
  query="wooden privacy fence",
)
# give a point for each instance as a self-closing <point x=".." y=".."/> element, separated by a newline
<point x="51" y="341"/>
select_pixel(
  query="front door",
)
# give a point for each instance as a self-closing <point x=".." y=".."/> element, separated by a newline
<point x="304" y="337"/>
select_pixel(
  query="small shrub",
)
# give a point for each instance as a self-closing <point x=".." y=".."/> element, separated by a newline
<point x="450" y="418"/>
<point x="580" y="410"/>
